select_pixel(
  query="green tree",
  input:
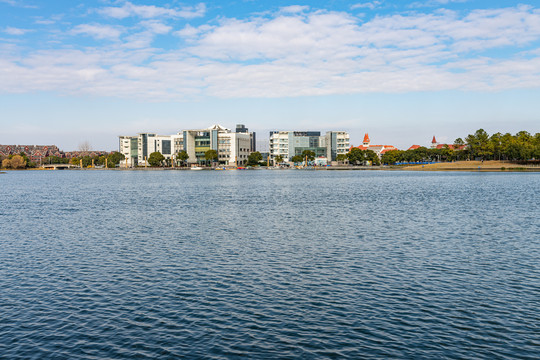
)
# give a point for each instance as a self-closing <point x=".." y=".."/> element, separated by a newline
<point x="309" y="154"/>
<point x="341" y="158"/>
<point x="479" y="144"/>
<point x="536" y="146"/>
<point x="278" y="159"/>
<point x="297" y="159"/>
<point x="357" y="156"/>
<point x="211" y="155"/>
<point x="182" y="156"/>
<point x="254" y="158"/>
<point x="496" y="145"/>
<point x="372" y="157"/>
<point x="54" y="160"/>
<point x="155" y="158"/>
<point x="114" y="159"/>
<point x="391" y="157"/>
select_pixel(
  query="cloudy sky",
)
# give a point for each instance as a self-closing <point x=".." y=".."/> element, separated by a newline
<point x="74" y="71"/>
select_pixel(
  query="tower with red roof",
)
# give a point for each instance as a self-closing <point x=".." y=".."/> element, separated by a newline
<point x="366" y="141"/>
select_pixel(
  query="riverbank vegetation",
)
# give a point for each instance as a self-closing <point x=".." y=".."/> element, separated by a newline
<point x="478" y="146"/>
<point x="21" y="161"/>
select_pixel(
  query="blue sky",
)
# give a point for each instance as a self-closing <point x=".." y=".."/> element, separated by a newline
<point x="401" y="70"/>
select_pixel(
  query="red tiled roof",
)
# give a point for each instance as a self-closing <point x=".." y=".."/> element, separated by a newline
<point x="450" y="146"/>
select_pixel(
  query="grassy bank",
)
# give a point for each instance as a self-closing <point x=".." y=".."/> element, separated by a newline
<point x="492" y="165"/>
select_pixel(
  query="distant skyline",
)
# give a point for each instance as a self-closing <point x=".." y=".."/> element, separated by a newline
<point x="93" y="70"/>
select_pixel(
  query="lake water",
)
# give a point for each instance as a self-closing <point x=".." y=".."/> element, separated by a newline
<point x="269" y="264"/>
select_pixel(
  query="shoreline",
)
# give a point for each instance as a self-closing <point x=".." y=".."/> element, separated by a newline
<point x="458" y="166"/>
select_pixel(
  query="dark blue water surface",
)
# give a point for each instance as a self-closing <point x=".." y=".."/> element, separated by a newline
<point x="269" y="264"/>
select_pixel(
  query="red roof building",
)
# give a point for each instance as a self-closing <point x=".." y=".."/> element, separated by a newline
<point x="450" y="146"/>
<point x="366" y="140"/>
<point x="378" y="149"/>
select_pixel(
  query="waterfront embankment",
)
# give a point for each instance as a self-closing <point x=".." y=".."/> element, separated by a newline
<point x="492" y="165"/>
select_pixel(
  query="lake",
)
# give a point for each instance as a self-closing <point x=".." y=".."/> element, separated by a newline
<point x="269" y="264"/>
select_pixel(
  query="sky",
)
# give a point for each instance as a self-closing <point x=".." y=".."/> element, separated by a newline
<point x="402" y="71"/>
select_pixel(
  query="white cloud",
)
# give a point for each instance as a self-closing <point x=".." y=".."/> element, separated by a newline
<point x="434" y="3"/>
<point x="19" y="3"/>
<point x="45" y="22"/>
<point x="98" y="31"/>
<point x="156" y="27"/>
<point x="16" y="31"/>
<point x="294" y="54"/>
<point x="128" y="9"/>
<point x="293" y="9"/>
<point x="369" y="5"/>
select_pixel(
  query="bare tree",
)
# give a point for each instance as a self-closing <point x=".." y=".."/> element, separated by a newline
<point x="85" y="146"/>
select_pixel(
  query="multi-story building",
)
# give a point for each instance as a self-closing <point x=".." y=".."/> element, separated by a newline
<point x="291" y="143"/>
<point x="136" y="149"/>
<point x="233" y="148"/>
<point x="337" y="142"/>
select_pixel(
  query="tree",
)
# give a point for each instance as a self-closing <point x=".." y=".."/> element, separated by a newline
<point x="86" y="161"/>
<point x="211" y="155"/>
<point x="297" y="159"/>
<point x="496" y="145"/>
<point x="340" y="158"/>
<point x="355" y="156"/>
<point x="358" y="156"/>
<point x="155" y="158"/>
<point x="114" y="159"/>
<point x="182" y="156"/>
<point x="278" y="159"/>
<point x="459" y="154"/>
<point x="391" y="157"/>
<point x="55" y="160"/>
<point x="309" y="154"/>
<point x="372" y="157"/>
<point x="254" y="158"/>
<point x="479" y="144"/>
<point x="85" y="146"/>
<point x="16" y="162"/>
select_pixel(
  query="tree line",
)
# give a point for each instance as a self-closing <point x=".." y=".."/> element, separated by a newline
<point x="478" y="146"/>
<point x="21" y="161"/>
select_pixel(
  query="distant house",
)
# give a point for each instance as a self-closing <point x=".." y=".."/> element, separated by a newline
<point x="450" y="146"/>
<point x="34" y="152"/>
<point x="435" y="145"/>
<point x="378" y="149"/>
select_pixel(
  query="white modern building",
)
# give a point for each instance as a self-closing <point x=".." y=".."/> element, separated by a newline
<point x="233" y="148"/>
<point x="291" y="143"/>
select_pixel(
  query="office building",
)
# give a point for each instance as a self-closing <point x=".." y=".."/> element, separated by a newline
<point x="291" y="143"/>
<point x="233" y="148"/>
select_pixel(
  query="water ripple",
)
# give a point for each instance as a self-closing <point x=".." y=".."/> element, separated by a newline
<point x="267" y="264"/>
